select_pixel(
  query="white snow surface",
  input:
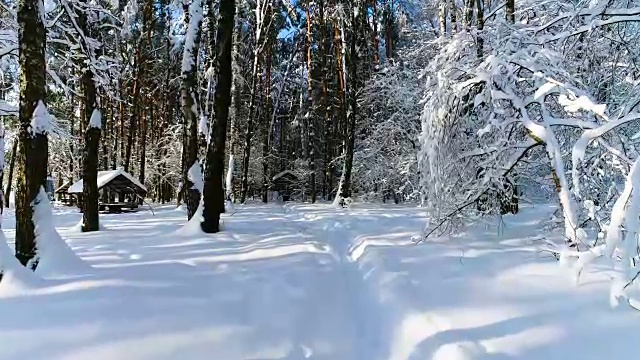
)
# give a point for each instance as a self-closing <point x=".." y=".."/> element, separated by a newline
<point x="96" y="119"/>
<point x="103" y="178"/>
<point x="55" y="257"/>
<point x="15" y="277"/>
<point x="304" y="281"/>
<point x="42" y="121"/>
<point x="7" y="109"/>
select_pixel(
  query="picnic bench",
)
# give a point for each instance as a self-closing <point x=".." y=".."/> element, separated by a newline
<point x="119" y="191"/>
<point x="118" y="207"/>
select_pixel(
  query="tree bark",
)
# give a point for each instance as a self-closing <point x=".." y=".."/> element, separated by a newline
<point x="135" y="111"/>
<point x="12" y="162"/>
<point x="311" y="107"/>
<point x="390" y="35"/>
<point x="468" y="14"/>
<point x="480" y="20"/>
<point x="236" y="89"/>
<point x="452" y="14"/>
<point x="213" y="190"/>
<point x="345" y="180"/>
<point x="33" y="148"/>
<point x="374" y="20"/>
<point x="143" y="144"/>
<point x="189" y="94"/>
<point x="442" y="17"/>
<point x="90" y="218"/>
<point x="510" y="11"/>
<point x="266" y="125"/>
<point x="249" y="133"/>
<point x="324" y="48"/>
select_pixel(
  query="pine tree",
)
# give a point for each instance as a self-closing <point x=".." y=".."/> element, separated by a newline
<point x="93" y="125"/>
<point x="34" y="124"/>
<point x="190" y="109"/>
<point x="213" y="190"/>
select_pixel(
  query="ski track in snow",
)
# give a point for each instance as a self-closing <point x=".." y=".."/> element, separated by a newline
<point x="304" y="281"/>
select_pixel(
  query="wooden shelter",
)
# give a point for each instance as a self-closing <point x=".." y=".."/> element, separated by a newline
<point x="119" y="190"/>
<point x="285" y="182"/>
<point x="63" y="193"/>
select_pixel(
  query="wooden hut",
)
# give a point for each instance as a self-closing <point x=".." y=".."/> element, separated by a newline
<point x="119" y="190"/>
<point x="63" y="193"/>
<point x="284" y="183"/>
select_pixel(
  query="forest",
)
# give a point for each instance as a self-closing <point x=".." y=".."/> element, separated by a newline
<point x="447" y="113"/>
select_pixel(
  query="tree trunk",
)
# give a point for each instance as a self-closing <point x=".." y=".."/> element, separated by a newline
<point x="389" y="31"/>
<point x="12" y="162"/>
<point x="249" y="133"/>
<point x="73" y="133"/>
<point x="480" y="20"/>
<point x="267" y="124"/>
<point x="510" y="11"/>
<point x="374" y="20"/>
<point x="33" y="148"/>
<point x="468" y="14"/>
<point x="326" y="187"/>
<point x="310" y="108"/>
<point x="213" y="191"/>
<point x="93" y="122"/>
<point x="114" y="134"/>
<point x="104" y="163"/>
<point x="143" y="144"/>
<point x="90" y="219"/>
<point x="345" y="180"/>
<point x="442" y="17"/>
<point x="189" y="110"/>
<point x="452" y="14"/>
<point x="236" y="89"/>
<point x="135" y="112"/>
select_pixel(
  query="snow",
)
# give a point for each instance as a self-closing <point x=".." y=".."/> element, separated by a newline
<point x="103" y="178"/>
<point x="582" y="103"/>
<point x="228" y="181"/>
<point x="129" y="16"/>
<point x="7" y="109"/>
<point x="580" y="147"/>
<point x="283" y="173"/>
<point x="193" y="227"/>
<point x="191" y="37"/>
<point x="54" y="257"/>
<point x="42" y="122"/>
<point x="96" y="119"/>
<point x="195" y="176"/>
<point x="203" y="126"/>
<point x="544" y="90"/>
<point x="304" y="281"/>
<point x="14" y="277"/>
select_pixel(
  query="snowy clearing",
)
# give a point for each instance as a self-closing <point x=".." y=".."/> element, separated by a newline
<point x="311" y="282"/>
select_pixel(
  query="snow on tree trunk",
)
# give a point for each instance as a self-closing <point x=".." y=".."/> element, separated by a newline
<point x="344" y="189"/>
<point x="194" y="225"/>
<point x="228" y="183"/>
<point x="54" y="257"/>
<point x="189" y="101"/>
